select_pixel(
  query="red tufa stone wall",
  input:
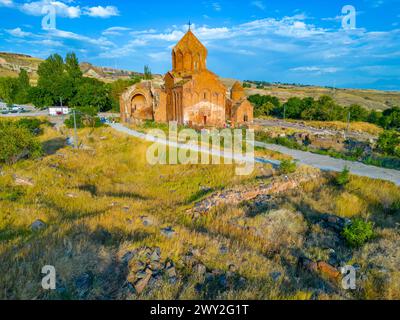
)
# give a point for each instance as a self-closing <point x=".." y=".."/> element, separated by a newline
<point x="191" y="95"/>
<point x="244" y="113"/>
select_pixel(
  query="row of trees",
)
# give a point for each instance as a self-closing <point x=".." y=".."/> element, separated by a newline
<point x="323" y="109"/>
<point x="60" y="81"/>
<point x="15" y="90"/>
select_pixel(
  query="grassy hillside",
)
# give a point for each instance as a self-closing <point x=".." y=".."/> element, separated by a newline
<point x="371" y="99"/>
<point x="11" y="64"/>
<point x="110" y="219"/>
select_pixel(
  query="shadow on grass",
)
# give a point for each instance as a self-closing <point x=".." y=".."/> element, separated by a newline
<point x="93" y="190"/>
<point x="51" y="146"/>
<point x="198" y="195"/>
<point x="86" y="262"/>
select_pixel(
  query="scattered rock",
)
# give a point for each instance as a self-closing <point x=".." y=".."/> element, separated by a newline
<point x="242" y="194"/>
<point x="168" y="232"/>
<point x="156" y="255"/>
<point x="275" y="276"/>
<point x="21" y="181"/>
<point x="200" y="269"/>
<point x="322" y="268"/>
<point x="127" y="257"/>
<point x="223" y="250"/>
<point x="171" y="272"/>
<point x="141" y="284"/>
<point x="38" y="225"/>
<point x="328" y="271"/>
<point x="232" y="268"/>
<point x="71" y="195"/>
<point x="147" y="221"/>
<point x="146" y="269"/>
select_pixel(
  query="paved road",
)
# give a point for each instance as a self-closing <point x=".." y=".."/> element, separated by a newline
<point x="237" y="157"/>
<point x="325" y="163"/>
<point x="332" y="164"/>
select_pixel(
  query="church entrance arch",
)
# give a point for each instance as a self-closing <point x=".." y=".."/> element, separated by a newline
<point x="138" y="102"/>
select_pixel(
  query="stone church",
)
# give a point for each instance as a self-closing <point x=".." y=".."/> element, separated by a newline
<point x="190" y="94"/>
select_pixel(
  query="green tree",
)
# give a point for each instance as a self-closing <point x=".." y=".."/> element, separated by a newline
<point x="294" y="107"/>
<point x="147" y="73"/>
<point x="389" y="142"/>
<point x="116" y="88"/>
<point x="343" y="178"/>
<point x="84" y="117"/>
<point x="92" y="93"/>
<point x="358" y="232"/>
<point x="287" y="167"/>
<point x="17" y="142"/>
<point x="391" y="118"/>
<point x="8" y="89"/>
<point x="22" y="88"/>
<point x="374" y="117"/>
<point x="358" y="113"/>
<point x="72" y="67"/>
<point x="40" y="97"/>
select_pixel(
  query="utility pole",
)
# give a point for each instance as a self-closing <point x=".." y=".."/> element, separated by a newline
<point x="75" y="132"/>
<point x="284" y="112"/>
<point x="348" y="125"/>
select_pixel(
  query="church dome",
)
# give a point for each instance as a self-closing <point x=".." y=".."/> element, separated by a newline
<point x="237" y="91"/>
<point x="189" y="55"/>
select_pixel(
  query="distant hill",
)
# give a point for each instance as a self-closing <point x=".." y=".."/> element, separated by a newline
<point x="371" y="99"/>
<point x="12" y="63"/>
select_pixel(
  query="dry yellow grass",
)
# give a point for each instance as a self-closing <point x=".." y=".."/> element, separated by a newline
<point x="107" y="186"/>
<point x="354" y="126"/>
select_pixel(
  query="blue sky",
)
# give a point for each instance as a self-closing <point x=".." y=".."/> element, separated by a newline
<point x="278" y="41"/>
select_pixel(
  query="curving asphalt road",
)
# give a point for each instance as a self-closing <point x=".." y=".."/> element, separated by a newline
<point x="322" y="162"/>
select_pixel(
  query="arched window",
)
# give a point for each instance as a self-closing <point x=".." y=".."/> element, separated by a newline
<point x="179" y="61"/>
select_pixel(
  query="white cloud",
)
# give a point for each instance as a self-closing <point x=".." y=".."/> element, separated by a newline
<point x="317" y="70"/>
<point x="217" y="6"/>
<point x="102" y="12"/>
<point x="6" y="3"/>
<point x="17" y="32"/>
<point x="74" y="36"/>
<point x="124" y="51"/>
<point x="259" y="4"/>
<point x="37" y="8"/>
<point x="115" y="31"/>
<point x="65" y="10"/>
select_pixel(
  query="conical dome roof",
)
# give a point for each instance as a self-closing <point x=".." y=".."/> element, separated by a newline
<point x="190" y="43"/>
<point x="237" y="86"/>
<point x="189" y="55"/>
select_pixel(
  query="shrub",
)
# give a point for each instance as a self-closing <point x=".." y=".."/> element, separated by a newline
<point x="389" y="142"/>
<point x="287" y="166"/>
<point x="32" y="124"/>
<point x="343" y="178"/>
<point x="358" y="232"/>
<point x="17" y="142"/>
<point x="85" y="117"/>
